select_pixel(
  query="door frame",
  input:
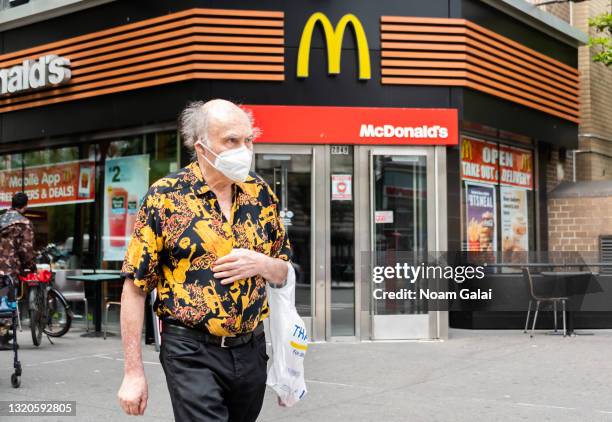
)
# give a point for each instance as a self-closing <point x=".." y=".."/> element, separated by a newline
<point x="316" y="322"/>
<point x="320" y="321"/>
<point x="434" y="324"/>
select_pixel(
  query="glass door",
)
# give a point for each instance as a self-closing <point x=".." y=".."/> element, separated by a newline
<point x="351" y="207"/>
<point x="341" y="241"/>
<point x="290" y="172"/>
<point x="401" y="223"/>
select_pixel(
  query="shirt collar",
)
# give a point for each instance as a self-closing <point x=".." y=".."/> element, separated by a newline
<point x="201" y="187"/>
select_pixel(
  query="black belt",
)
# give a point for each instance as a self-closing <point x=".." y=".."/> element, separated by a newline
<point x="204" y="337"/>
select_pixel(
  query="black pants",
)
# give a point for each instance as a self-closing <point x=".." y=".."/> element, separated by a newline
<point x="208" y="383"/>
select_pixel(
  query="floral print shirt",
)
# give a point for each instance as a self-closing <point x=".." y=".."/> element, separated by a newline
<point x="179" y="233"/>
<point x="16" y="244"/>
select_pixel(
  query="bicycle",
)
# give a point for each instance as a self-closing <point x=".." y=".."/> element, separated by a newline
<point x="49" y="310"/>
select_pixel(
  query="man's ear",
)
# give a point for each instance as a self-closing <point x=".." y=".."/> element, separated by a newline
<point x="199" y="143"/>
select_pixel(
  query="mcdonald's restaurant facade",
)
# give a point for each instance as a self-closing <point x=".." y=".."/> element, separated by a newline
<point x="380" y="122"/>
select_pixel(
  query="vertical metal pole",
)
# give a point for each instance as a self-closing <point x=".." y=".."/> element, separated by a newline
<point x="284" y="187"/>
<point x="372" y="224"/>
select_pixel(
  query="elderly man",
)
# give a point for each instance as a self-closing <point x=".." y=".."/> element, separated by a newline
<point x="208" y="237"/>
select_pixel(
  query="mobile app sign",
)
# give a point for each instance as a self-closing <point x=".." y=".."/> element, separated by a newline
<point x="50" y="184"/>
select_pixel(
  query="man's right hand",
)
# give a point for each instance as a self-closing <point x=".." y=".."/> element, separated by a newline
<point x="133" y="394"/>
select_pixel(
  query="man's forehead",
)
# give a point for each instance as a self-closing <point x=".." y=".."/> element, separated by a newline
<point x="234" y="133"/>
<point x="228" y="124"/>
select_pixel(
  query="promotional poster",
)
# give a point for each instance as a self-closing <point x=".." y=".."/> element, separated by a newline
<point x="125" y="184"/>
<point x="481" y="218"/>
<point x="514" y="220"/>
<point x="45" y="185"/>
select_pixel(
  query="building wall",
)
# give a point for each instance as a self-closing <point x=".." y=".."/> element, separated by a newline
<point x="595" y="130"/>
<point x="558" y="168"/>
<point x="55" y="123"/>
<point x="560" y="10"/>
<point x="575" y="224"/>
<point x="596" y="77"/>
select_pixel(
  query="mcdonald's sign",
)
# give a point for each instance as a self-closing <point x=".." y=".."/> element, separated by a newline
<point x="466" y="150"/>
<point x="333" y="40"/>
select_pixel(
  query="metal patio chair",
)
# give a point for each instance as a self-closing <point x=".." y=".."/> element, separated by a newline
<point x="73" y="291"/>
<point x="538" y="299"/>
<point x="107" y="305"/>
<point x="106" y="308"/>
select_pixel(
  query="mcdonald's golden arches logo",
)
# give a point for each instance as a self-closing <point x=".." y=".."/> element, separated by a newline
<point x="525" y="164"/>
<point x="333" y="40"/>
<point x="466" y="149"/>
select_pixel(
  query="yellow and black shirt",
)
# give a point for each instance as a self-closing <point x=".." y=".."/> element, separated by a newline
<point x="179" y="233"/>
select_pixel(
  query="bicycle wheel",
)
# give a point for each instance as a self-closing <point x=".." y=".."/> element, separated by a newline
<point x="36" y="303"/>
<point x="59" y="319"/>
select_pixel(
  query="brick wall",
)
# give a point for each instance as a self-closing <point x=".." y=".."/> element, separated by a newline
<point x="596" y="164"/>
<point x="595" y="100"/>
<point x="556" y="175"/>
<point x="560" y="10"/>
<point x="575" y="224"/>
<point x="596" y="78"/>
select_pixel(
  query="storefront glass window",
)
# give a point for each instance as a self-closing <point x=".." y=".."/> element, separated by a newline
<point x="61" y="190"/>
<point x="131" y="166"/>
<point x="497" y="193"/>
<point x="66" y="191"/>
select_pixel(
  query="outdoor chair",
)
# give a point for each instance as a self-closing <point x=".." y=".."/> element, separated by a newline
<point x="539" y="298"/>
<point x="115" y="293"/>
<point x="73" y="291"/>
<point x="107" y="307"/>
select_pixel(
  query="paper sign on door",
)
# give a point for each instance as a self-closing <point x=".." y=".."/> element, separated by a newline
<point x="382" y="217"/>
<point x="342" y="187"/>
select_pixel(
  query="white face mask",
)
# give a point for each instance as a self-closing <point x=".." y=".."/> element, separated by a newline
<point x="235" y="163"/>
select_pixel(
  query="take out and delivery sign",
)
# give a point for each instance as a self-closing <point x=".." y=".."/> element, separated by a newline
<point x="355" y="125"/>
<point x="488" y="162"/>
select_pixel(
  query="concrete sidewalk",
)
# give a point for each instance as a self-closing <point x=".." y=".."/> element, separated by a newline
<point x="474" y="376"/>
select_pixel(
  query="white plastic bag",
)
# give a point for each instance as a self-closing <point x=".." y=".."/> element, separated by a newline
<point x="289" y="343"/>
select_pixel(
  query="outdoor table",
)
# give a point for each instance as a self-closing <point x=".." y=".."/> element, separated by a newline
<point x="98" y="279"/>
<point x="574" y="285"/>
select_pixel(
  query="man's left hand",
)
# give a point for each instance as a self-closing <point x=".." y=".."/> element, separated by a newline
<point x="239" y="264"/>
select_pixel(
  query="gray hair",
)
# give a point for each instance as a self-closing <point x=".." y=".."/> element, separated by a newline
<point x="193" y="121"/>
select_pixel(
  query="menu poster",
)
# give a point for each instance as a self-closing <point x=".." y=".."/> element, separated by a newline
<point x="70" y="182"/>
<point x="481" y="218"/>
<point x="126" y="181"/>
<point x="514" y="220"/>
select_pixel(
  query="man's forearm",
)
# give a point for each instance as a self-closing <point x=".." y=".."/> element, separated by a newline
<point x="132" y="316"/>
<point x="275" y="271"/>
